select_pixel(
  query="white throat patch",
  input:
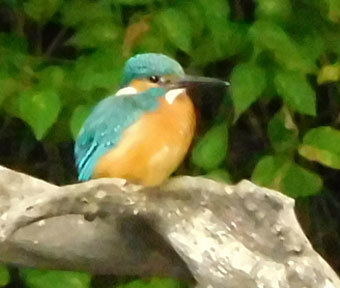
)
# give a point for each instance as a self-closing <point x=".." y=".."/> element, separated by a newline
<point x="126" y="91"/>
<point x="171" y="95"/>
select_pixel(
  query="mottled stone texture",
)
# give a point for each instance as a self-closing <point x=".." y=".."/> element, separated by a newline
<point x="191" y="228"/>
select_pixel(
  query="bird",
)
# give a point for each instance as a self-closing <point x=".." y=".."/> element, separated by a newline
<point x="143" y="132"/>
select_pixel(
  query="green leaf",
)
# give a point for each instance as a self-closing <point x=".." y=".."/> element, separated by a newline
<point x="165" y="283"/>
<point x="268" y="36"/>
<point x="34" y="278"/>
<point x="219" y="175"/>
<point x="41" y="10"/>
<point x="269" y="171"/>
<point x="155" y="41"/>
<point x="85" y="12"/>
<point x="134" y="2"/>
<point x="8" y="86"/>
<point x="78" y="118"/>
<point x="311" y="47"/>
<point x="300" y="182"/>
<point x="154" y="283"/>
<point x="51" y="76"/>
<point x="194" y="13"/>
<point x="334" y="10"/>
<point x="222" y="44"/>
<point x="296" y="91"/>
<point x="283" y="132"/>
<point x="247" y="83"/>
<point x="275" y="10"/>
<point x="13" y="53"/>
<point x="329" y="73"/>
<point x="5" y="277"/>
<point x="40" y="109"/>
<point x="322" y="144"/>
<point x="281" y="174"/>
<point x="101" y="69"/>
<point x="221" y="37"/>
<point x="215" y="14"/>
<point x="98" y="34"/>
<point x="177" y="27"/>
<point x="211" y="150"/>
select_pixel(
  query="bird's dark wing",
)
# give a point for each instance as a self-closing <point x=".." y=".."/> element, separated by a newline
<point x="105" y="125"/>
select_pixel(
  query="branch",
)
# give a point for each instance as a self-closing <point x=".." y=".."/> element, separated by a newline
<point x="220" y="235"/>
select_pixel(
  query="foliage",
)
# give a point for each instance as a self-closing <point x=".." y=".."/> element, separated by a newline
<point x="153" y="283"/>
<point x="58" y="58"/>
<point x="322" y="145"/>
<point x="54" y="279"/>
<point x="211" y="150"/>
<point x="4" y="276"/>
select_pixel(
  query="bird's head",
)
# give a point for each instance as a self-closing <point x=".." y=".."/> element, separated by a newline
<point x="152" y="68"/>
<point x="148" y="70"/>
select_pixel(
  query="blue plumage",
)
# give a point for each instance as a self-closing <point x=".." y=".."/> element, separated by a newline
<point x="150" y="64"/>
<point x="105" y="125"/>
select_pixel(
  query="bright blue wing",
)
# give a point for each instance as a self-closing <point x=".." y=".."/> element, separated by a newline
<point x="103" y="128"/>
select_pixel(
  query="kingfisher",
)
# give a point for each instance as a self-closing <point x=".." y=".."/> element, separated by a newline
<point x="144" y="131"/>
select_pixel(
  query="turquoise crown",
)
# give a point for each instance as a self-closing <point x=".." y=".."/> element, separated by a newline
<point x="150" y="64"/>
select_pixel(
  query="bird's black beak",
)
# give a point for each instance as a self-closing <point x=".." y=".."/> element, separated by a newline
<point x="192" y="82"/>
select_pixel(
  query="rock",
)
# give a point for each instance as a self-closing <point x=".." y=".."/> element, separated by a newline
<point x="190" y="228"/>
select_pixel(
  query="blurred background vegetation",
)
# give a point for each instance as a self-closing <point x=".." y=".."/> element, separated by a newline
<point x="58" y="58"/>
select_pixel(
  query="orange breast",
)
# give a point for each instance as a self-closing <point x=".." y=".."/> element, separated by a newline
<point x="152" y="148"/>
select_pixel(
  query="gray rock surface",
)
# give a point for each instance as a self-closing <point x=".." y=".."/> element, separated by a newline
<point x="191" y="228"/>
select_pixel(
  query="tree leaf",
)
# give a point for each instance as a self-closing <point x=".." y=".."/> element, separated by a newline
<point x="98" y="70"/>
<point x="216" y="15"/>
<point x="269" y="171"/>
<point x="283" y="132"/>
<point x="275" y="10"/>
<point x="322" y="145"/>
<point x="329" y="73"/>
<point x="98" y="34"/>
<point x="220" y="37"/>
<point x="300" y="182"/>
<point x="296" y="91"/>
<point x="269" y="36"/>
<point x="52" y="76"/>
<point x="221" y="44"/>
<point x="211" y="150"/>
<point x="134" y="2"/>
<point x="281" y="174"/>
<point x="35" y="278"/>
<point x="5" y="277"/>
<point x="78" y="118"/>
<point x="40" y="109"/>
<point x="334" y="10"/>
<point x="221" y="175"/>
<point x="41" y="10"/>
<point x="178" y="28"/>
<point x="85" y="12"/>
<point x="14" y="54"/>
<point x="247" y="83"/>
<point x="8" y="86"/>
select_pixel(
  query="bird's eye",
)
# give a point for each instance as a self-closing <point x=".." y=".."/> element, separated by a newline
<point x="154" y="79"/>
